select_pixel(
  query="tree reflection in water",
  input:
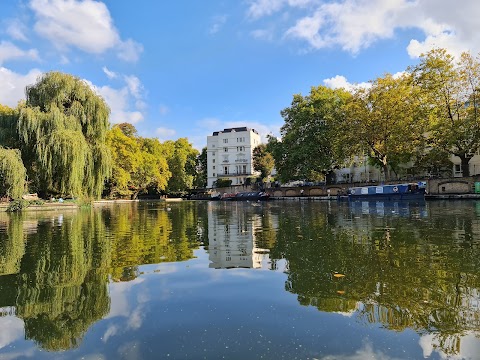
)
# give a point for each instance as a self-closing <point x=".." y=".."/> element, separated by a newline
<point x="55" y="268"/>
<point x="401" y="271"/>
<point x="405" y="268"/>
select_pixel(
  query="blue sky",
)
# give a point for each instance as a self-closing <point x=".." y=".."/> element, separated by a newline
<point x="187" y="68"/>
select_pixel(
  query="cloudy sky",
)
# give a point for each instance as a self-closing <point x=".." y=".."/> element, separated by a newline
<point x="186" y="68"/>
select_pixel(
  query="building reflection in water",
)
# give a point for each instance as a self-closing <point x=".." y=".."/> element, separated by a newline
<point x="232" y="239"/>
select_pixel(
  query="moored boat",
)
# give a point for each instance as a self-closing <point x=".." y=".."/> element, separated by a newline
<point x="246" y="196"/>
<point x="390" y="192"/>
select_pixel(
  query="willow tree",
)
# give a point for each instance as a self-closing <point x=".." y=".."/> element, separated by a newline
<point x="12" y="173"/>
<point x="62" y="129"/>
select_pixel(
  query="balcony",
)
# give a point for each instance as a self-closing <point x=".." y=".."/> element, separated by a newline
<point x="234" y="174"/>
<point x="241" y="160"/>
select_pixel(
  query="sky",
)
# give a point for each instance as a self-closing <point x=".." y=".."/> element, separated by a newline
<point x="186" y="68"/>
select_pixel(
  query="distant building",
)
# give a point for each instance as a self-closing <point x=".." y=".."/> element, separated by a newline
<point x="229" y="155"/>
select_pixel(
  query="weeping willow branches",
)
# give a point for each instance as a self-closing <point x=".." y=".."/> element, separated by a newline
<point x="12" y="173"/>
<point x="62" y="129"/>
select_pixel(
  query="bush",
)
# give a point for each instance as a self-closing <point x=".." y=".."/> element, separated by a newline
<point x="220" y="183"/>
<point x="17" y="205"/>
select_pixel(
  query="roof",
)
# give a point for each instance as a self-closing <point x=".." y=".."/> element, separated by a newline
<point x="236" y="129"/>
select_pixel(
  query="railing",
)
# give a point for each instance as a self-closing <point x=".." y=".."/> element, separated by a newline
<point x="233" y="174"/>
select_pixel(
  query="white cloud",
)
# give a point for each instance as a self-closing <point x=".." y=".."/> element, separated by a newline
<point x="86" y="25"/>
<point x="366" y="352"/>
<point x="9" y="51"/>
<point x="110" y="74"/>
<point x="15" y="331"/>
<point x="218" y="22"/>
<point x="119" y="101"/>
<point x="340" y="81"/>
<point x="13" y="85"/>
<point x="263" y="34"/>
<point x="164" y="133"/>
<point x="134" y="85"/>
<point x="354" y="25"/>
<point x="16" y="30"/>
<point x="469" y="346"/>
<point x="260" y="8"/>
<point x="130" y="50"/>
<point x="112" y="330"/>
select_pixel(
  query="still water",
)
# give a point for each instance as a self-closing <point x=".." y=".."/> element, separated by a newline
<point x="280" y="280"/>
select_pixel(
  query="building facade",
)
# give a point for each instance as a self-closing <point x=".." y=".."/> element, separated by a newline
<point x="360" y="170"/>
<point x="230" y="155"/>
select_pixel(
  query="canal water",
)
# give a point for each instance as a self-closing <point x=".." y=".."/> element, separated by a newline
<point x="241" y="280"/>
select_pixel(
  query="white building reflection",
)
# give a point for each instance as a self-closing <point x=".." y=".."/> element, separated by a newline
<point x="231" y="234"/>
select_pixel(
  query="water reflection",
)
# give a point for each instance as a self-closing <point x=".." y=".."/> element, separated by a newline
<point x="232" y="237"/>
<point x="55" y="268"/>
<point x="401" y="271"/>
<point x="413" y="268"/>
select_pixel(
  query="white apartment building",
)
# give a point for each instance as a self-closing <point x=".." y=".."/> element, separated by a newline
<point x="230" y="155"/>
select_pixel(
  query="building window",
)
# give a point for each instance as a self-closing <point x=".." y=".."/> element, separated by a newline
<point x="244" y="169"/>
<point x="240" y="139"/>
<point x="240" y="148"/>
<point x="458" y="169"/>
<point x="225" y="141"/>
<point x="213" y="161"/>
<point x="226" y="170"/>
<point x="225" y="149"/>
<point x="213" y="167"/>
<point x="213" y="174"/>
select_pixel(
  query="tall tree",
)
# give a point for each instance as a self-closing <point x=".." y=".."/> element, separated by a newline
<point x="308" y="148"/>
<point x="12" y="173"/>
<point x="200" y="180"/>
<point x="452" y="91"/>
<point x="62" y="128"/>
<point x="263" y="160"/>
<point x="386" y="120"/>
<point x="182" y="160"/>
<point x="138" y="163"/>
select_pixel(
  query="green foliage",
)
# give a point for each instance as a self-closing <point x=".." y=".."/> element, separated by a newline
<point x="139" y="163"/>
<point x="17" y="205"/>
<point x="62" y="129"/>
<point x="220" y="183"/>
<point x="450" y="90"/>
<point x="12" y="174"/>
<point x="386" y="120"/>
<point x="182" y="163"/>
<point x="200" y="180"/>
<point x="308" y="149"/>
<point x="8" y="127"/>
<point x="263" y="161"/>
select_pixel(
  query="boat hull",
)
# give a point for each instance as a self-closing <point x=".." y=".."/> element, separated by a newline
<point x="391" y="192"/>
<point x="248" y="196"/>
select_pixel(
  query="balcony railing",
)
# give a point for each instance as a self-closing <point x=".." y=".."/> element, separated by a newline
<point x="233" y="174"/>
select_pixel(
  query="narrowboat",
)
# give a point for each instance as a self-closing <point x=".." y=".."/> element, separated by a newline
<point x="390" y="192"/>
<point x="246" y="196"/>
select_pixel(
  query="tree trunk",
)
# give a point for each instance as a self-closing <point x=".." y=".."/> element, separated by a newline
<point x="465" y="159"/>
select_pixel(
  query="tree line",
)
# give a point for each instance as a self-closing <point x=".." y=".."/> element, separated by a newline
<point x="59" y="142"/>
<point x="408" y="123"/>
